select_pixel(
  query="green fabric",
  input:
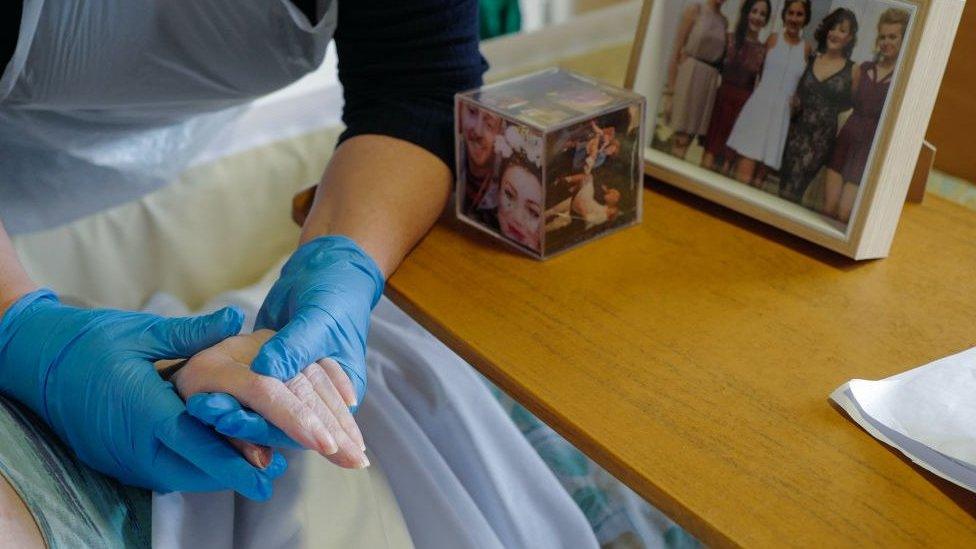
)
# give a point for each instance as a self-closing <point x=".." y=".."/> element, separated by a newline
<point x="615" y="512"/>
<point x="74" y="506"/>
<point x="952" y="188"/>
<point x="499" y="17"/>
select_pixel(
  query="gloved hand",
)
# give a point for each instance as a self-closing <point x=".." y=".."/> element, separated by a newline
<point x="89" y="374"/>
<point x="320" y="307"/>
<point x="229" y="418"/>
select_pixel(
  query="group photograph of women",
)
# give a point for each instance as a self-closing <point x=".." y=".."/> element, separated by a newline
<point x="785" y="96"/>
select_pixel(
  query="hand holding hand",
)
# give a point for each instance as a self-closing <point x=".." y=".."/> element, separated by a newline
<point x="216" y="381"/>
<point x="320" y="307"/>
<point x="89" y="374"/>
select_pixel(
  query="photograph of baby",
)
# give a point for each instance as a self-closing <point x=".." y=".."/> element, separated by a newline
<point x="500" y="165"/>
<point x="786" y="96"/>
<point x="591" y="181"/>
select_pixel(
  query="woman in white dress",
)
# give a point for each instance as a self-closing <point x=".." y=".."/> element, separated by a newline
<point x="760" y="131"/>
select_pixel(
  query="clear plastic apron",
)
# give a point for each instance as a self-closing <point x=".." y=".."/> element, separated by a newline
<point x="104" y="101"/>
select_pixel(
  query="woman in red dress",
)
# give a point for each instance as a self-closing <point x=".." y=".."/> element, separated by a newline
<point x="743" y="61"/>
<point x="850" y="156"/>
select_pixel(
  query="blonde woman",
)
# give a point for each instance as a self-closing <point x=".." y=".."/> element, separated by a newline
<point x="850" y="156"/>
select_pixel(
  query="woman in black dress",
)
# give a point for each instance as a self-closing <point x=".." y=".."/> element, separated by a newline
<point x="825" y="91"/>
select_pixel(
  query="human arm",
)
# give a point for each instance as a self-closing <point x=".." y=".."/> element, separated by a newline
<point x="796" y="101"/>
<point x="688" y="19"/>
<point x="400" y="66"/>
<point x="388" y="180"/>
<point x="356" y="197"/>
<point x="17" y="526"/>
<point x="14" y="281"/>
<point x="770" y="44"/>
<point x="730" y="48"/>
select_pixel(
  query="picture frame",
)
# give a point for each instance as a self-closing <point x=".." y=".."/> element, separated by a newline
<point x="786" y="134"/>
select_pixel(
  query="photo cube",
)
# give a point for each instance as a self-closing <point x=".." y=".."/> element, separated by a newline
<point x="549" y="160"/>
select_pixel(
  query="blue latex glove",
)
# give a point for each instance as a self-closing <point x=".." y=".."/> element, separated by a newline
<point x="229" y="418"/>
<point x="320" y="307"/>
<point x="89" y="374"/>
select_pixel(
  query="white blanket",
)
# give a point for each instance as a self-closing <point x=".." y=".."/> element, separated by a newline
<point x="462" y="473"/>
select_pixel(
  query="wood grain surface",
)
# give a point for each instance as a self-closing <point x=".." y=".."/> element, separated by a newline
<point x="692" y="357"/>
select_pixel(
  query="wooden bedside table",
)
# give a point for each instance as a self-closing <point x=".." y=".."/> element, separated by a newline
<point x="692" y="357"/>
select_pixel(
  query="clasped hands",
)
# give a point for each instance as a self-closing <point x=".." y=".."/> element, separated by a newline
<point x="259" y="413"/>
<point x="89" y="375"/>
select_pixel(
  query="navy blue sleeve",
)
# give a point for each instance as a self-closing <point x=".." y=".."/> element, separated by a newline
<point x="9" y="31"/>
<point x="400" y="64"/>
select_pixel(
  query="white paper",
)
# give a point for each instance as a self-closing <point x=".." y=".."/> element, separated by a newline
<point x="928" y="413"/>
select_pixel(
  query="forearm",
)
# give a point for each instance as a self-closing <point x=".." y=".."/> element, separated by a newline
<point x="382" y="192"/>
<point x="672" y="73"/>
<point x="400" y="64"/>
<point x="684" y="29"/>
<point x="14" y="281"/>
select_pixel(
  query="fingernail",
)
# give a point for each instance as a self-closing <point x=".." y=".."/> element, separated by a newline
<point x="328" y="444"/>
<point x="258" y="456"/>
<point x="363" y="462"/>
<point x="263" y="457"/>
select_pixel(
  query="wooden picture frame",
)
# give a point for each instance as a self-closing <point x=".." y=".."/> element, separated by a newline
<point x="896" y="143"/>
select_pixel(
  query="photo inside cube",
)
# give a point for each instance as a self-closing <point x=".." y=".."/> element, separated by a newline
<point x="500" y="165"/>
<point x="591" y="177"/>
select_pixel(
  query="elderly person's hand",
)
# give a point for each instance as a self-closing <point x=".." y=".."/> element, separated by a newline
<point x="308" y="410"/>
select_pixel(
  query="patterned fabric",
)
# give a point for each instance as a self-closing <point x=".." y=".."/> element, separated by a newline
<point x="813" y="130"/>
<point x="74" y="506"/>
<point x="951" y="188"/>
<point x="618" y="516"/>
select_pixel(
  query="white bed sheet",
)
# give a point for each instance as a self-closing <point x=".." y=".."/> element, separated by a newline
<point x="462" y="473"/>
